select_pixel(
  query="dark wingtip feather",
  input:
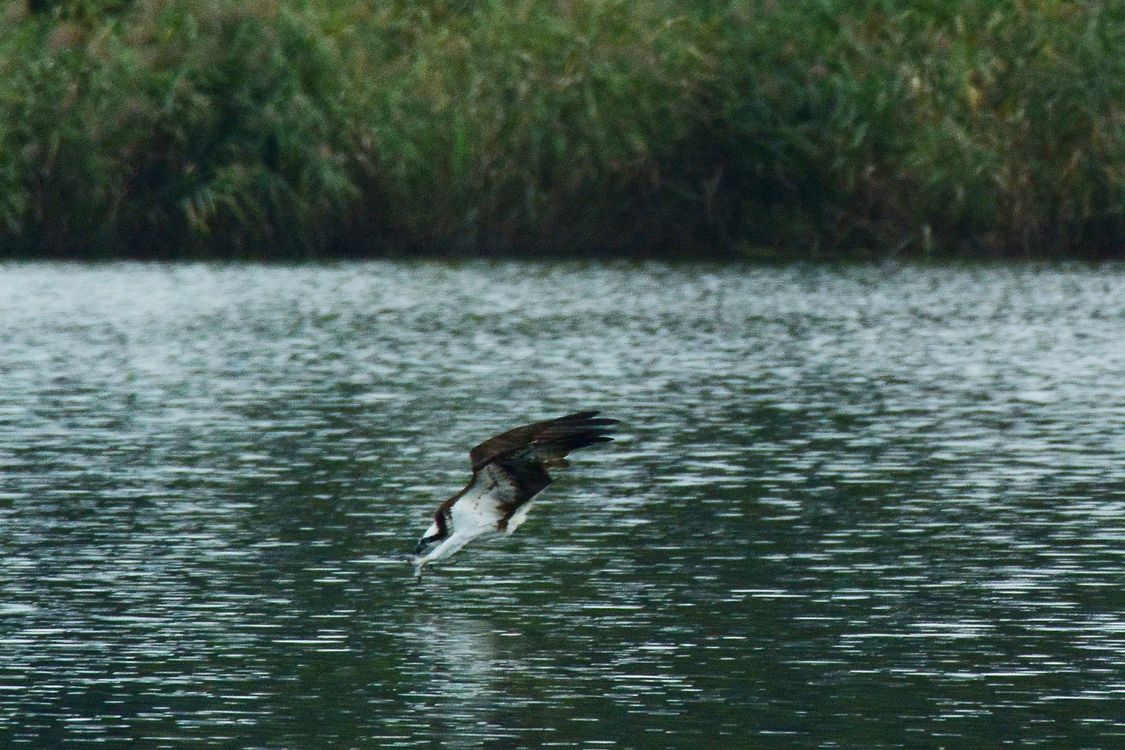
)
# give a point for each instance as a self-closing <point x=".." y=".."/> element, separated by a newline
<point x="589" y="418"/>
<point x="579" y="416"/>
<point x="568" y="443"/>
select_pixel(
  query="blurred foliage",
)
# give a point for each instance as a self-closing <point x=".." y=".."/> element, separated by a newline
<point x="303" y="128"/>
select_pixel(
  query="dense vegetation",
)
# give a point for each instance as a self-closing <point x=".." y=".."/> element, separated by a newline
<point x="226" y="128"/>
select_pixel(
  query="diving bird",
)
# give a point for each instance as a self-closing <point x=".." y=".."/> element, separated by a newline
<point x="509" y="470"/>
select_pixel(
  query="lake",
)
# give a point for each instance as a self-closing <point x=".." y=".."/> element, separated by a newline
<point x="856" y="507"/>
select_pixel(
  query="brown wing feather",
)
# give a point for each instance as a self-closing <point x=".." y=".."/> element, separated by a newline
<point x="520" y="458"/>
<point x="552" y="438"/>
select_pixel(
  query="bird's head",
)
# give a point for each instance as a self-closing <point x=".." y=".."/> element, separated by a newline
<point x="434" y="534"/>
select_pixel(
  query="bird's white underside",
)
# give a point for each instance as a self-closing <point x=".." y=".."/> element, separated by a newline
<point x="475" y="514"/>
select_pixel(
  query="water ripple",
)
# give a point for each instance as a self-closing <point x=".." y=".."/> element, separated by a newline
<point x="848" y="507"/>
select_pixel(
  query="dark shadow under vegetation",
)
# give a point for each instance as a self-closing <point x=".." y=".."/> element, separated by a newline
<point x="305" y="129"/>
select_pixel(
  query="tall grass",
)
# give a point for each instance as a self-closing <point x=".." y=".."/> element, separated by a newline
<point x="304" y="128"/>
<point x="518" y="126"/>
<point x="988" y="127"/>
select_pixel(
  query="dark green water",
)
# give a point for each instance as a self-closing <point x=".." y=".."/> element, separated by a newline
<point x="863" y="508"/>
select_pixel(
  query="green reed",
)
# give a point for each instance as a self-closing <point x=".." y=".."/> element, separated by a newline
<point x="187" y="128"/>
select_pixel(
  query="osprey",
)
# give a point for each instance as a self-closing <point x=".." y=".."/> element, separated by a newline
<point x="509" y="470"/>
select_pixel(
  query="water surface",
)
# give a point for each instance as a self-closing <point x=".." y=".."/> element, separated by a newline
<point x="865" y="507"/>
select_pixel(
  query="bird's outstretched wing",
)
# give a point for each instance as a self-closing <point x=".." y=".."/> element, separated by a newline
<point x="543" y="442"/>
<point x="515" y="463"/>
<point x="546" y="442"/>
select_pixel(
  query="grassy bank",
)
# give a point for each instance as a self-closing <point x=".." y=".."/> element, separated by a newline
<point x="188" y="128"/>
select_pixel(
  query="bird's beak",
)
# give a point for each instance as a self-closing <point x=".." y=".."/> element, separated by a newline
<point x="422" y="546"/>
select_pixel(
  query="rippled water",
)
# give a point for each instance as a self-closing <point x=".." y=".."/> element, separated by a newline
<point x="869" y="507"/>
